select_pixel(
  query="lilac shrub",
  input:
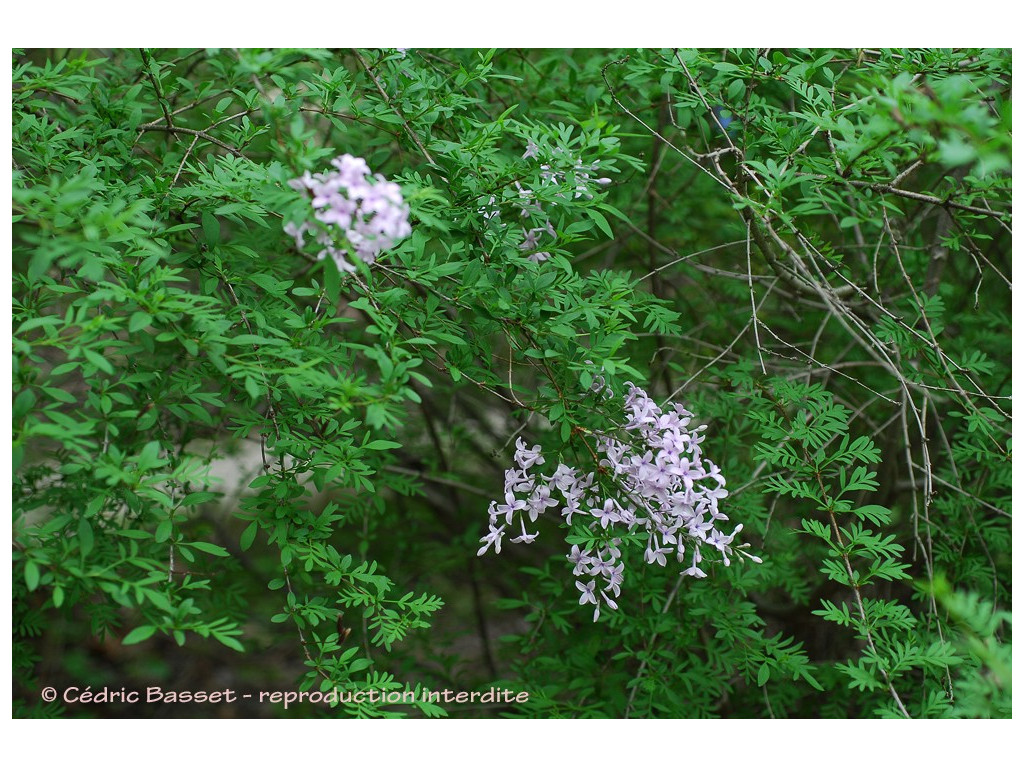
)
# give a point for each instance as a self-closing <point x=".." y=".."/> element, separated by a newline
<point x="366" y="212"/>
<point x="660" y="485"/>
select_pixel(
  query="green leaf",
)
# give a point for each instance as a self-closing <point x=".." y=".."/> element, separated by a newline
<point x="40" y="263"/>
<point x="198" y="497"/>
<point x="381" y="445"/>
<point x="163" y="531"/>
<point x="248" y="535"/>
<point x="211" y="229"/>
<point x="85" y="536"/>
<point x="253" y="388"/>
<point x="210" y="549"/>
<point x="601" y="222"/>
<point x="138" y="634"/>
<point x="332" y="281"/>
<point x="23" y="403"/>
<point x="98" y="360"/>
<point x="877" y="514"/>
<point x="230" y="642"/>
<point x="31" y="575"/>
<point x="138" y="321"/>
<point x="811" y="679"/>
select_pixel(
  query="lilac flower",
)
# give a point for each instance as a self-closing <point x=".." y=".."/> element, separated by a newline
<point x="674" y="441"/>
<point x="713" y="495"/>
<point x="721" y="542"/>
<point x="572" y="507"/>
<point x="518" y="481"/>
<point x="614" y="577"/>
<point x="352" y="171"/>
<point x="660" y="484"/>
<point x="489" y="209"/>
<point x="607" y="514"/>
<point x="526" y="458"/>
<point x="695" y="572"/>
<point x="493" y="537"/>
<point x="655" y="555"/>
<point x="529" y="240"/>
<point x="695" y="559"/>
<point x="297" y="231"/>
<point x="528" y="205"/>
<point x="587" y="591"/>
<point x="563" y="478"/>
<point x="539" y="501"/>
<point x="580" y="560"/>
<point x="524" y="538"/>
<point x="689" y="470"/>
<point x="659" y="474"/>
<point x="510" y="507"/>
<point x="367" y="214"/>
<point x="558" y="168"/>
<point x="714" y="473"/>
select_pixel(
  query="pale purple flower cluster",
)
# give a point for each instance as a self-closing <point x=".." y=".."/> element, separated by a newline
<point x="555" y="170"/>
<point x="551" y="173"/>
<point x="366" y="212"/>
<point x="660" y="485"/>
<point x="598" y="384"/>
<point x="559" y="164"/>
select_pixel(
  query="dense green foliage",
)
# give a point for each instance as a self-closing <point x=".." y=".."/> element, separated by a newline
<point x="810" y="249"/>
